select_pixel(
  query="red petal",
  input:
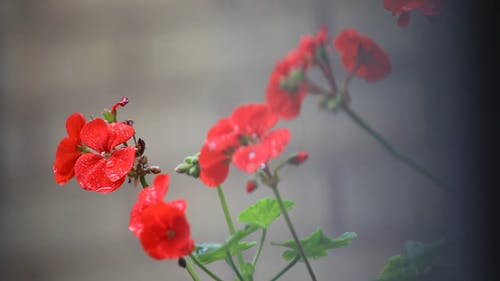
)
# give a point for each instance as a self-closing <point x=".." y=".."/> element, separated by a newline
<point x="285" y="105"/>
<point x="275" y="142"/>
<point x="214" y="166"/>
<point x="253" y="119"/>
<point x="89" y="171"/>
<point x="74" y="124"/>
<point x="147" y="197"/>
<point x="119" y="133"/>
<point x="95" y="135"/>
<point x="250" y="158"/>
<point x="66" y="155"/>
<point x="222" y="135"/>
<point x="120" y="163"/>
<point x="404" y="19"/>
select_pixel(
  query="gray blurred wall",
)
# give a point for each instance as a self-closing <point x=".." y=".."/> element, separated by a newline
<point x="184" y="65"/>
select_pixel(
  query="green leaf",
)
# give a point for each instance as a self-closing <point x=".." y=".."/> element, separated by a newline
<point x="209" y="252"/>
<point x="316" y="245"/>
<point x="398" y="268"/>
<point x="414" y="265"/>
<point x="263" y="212"/>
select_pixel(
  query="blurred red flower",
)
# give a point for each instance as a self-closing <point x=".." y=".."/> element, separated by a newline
<point x="104" y="169"/>
<point x="245" y="139"/>
<point x="403" y="8"/>
<point x="361" y="55"/>
<point x="68" y="149"/>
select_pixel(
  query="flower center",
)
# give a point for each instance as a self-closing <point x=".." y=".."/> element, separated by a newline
<point x="170" y="234"/>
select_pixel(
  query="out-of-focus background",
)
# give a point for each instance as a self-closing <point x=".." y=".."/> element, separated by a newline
<point x="186" y="64"/>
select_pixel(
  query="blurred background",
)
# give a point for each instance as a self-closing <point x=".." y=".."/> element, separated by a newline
<point x="186" y="64"/>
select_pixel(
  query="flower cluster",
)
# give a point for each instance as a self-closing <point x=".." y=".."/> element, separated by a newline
<point x="97" y="154"/>
<point x="289" y="84"/>
<point x="403" y="9"/>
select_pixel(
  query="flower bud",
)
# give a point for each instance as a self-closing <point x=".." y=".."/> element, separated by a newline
<point x="251" y="186"/>
<point x="298" y="158"/>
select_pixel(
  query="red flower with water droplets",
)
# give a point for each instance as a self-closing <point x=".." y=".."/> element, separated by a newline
<point x="403" y="9"/>
<point x="104" y="169"/>
<point x="361" y="55"/>
<point x="245" y="139"/>
<point x="166" y="232"/>
<point x="68" y="149"/>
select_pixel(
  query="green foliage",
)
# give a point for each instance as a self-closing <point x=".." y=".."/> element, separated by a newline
<point x="414" y="265"/>
<point x="316" y="245"/>
<point x="263" y="212"/>
<point x="209" y="252"/>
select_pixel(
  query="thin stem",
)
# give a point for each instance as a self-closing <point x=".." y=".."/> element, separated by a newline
<point x="398" y="155"/>
<point x="202" y="267"/>
<point x="229" y="221"/>
<point x="192" y="272"/>
<point x="284" y="270"/>
<point x="144" y="183"/>
<point x="292" y="230"/>
<point x="259" y="250"/>
<point x="229" y="259"/>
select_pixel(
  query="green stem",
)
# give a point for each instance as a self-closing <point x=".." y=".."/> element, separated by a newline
<point x="398" y="155"/>
<point x="259" y="250"/>
<point x="206" y="270"/>
<point x="284" y="270"/>
<point x="229" y="259"/>
<point x="292" y="230"/>
<point x="144" y="183"/>
<point x="192" y="272"/>
<point x="229" y="221"/>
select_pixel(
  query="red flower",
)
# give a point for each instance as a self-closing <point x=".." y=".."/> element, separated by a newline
<point x="243" y="137"/>
<point x="309" y="45"/>
<point x="105" y="170"/>
<point x="67" y="151"/>
<point x="166" y="231"/>
<point x="361" y="55"/>
<point x="287" y="87"/>
<point x="161" y="226"/>
<point x="403" y="8"/>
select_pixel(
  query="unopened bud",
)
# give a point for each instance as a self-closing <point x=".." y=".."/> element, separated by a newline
<point x="298" y="158"/>
<point x="251" y="186"/>
<point x="182" y="262"/>
<point x="182" y="168"/>
<point x="194" y="171"/>
<point x="155" y="169"/>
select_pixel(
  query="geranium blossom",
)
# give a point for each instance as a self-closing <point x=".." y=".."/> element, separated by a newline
<point x="403" y="8"/>
<point x="361" y="55"/>
<point x="161" y="226"/>
<point x="104" y="169"/>
<point x="166" y="231"/>
<point x="287" y="86"/>
<point x="68" y="149"/>
<point x="245" y="139"/>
